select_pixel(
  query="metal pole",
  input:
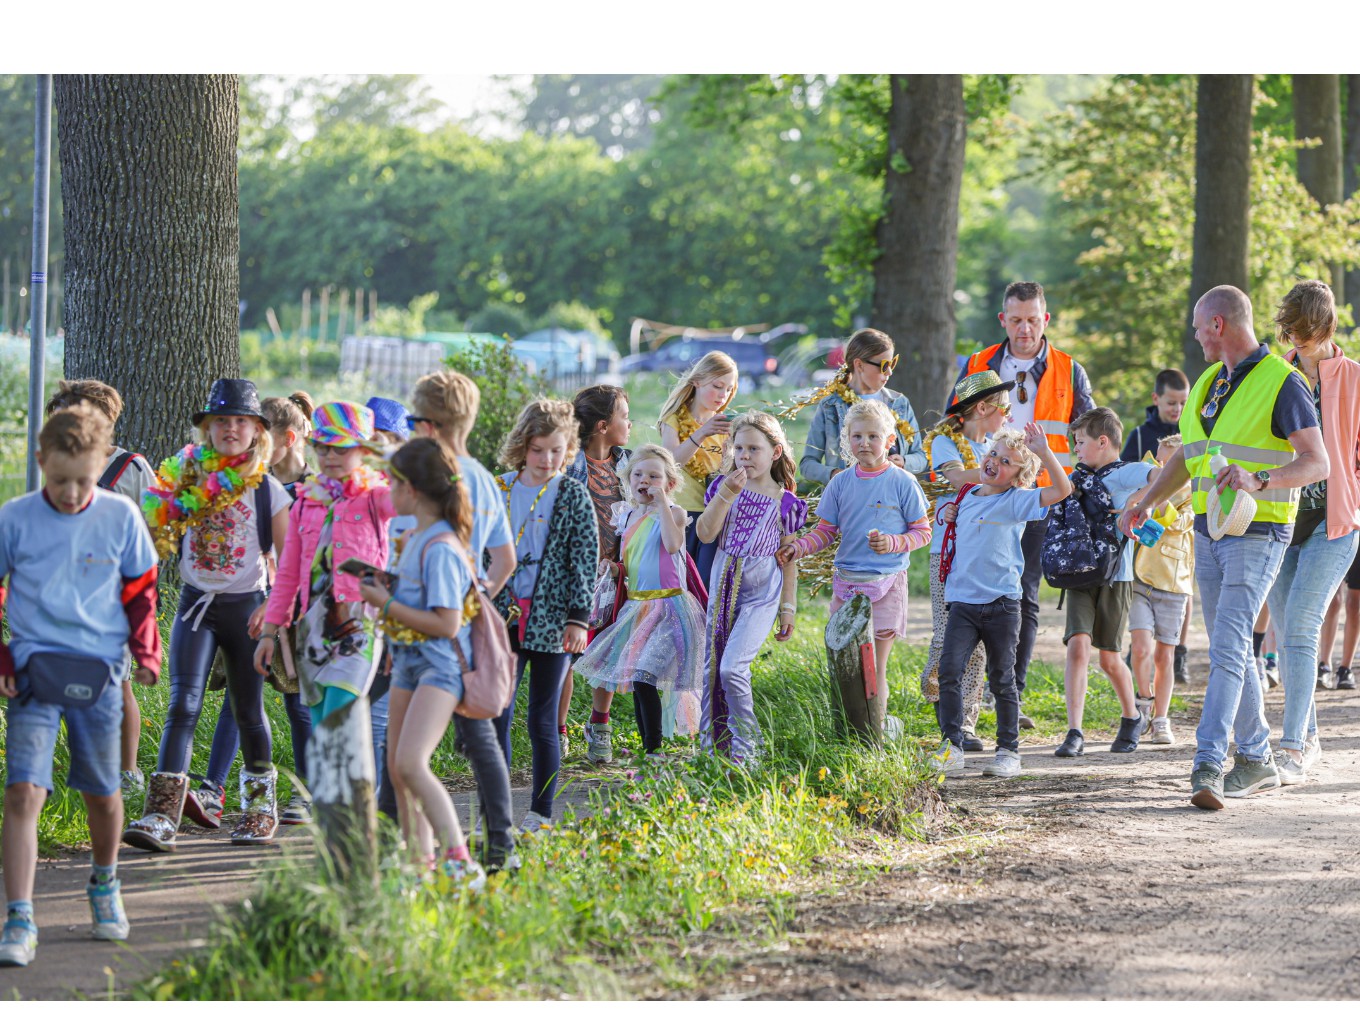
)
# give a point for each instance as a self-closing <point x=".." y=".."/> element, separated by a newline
<point x="37" y="344"/>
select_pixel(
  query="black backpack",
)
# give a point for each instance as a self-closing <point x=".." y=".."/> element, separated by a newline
<point x="1083" y="545"/>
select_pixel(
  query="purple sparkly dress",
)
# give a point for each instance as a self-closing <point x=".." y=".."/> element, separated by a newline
<point x="743" y="606"/>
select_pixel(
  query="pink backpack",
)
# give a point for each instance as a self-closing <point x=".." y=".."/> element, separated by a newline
<point x="488" y="689"/>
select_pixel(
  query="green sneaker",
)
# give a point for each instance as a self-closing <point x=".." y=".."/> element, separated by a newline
<point x="1248" y="777"/>
<point x="1206" y="787"/>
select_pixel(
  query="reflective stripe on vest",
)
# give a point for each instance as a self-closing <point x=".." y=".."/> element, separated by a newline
<point x="1242" y="433"/>
<point x="1053" y="400"/>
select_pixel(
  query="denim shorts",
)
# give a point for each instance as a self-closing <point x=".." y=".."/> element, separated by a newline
<point x="410" y="669"/>
<point x="93" y="736"/>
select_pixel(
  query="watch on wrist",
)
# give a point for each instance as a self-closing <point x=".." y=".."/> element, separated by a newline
<point x="1263" y="477"/>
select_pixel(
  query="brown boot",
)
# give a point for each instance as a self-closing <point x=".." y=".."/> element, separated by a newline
<point x="259" y="807"/>
<point x="156" y="829"/>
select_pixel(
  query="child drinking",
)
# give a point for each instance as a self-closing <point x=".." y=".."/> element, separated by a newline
<point x="983" y="562"/>
<point x="423" y="616"/>
<point x="215" y="503"/>
<point x="82" y="595"/>
<point x="751" y="512"/>
<point x="694" y="431"/>
<point x="878" y="513"/>
<point x="653" y="644"/>
<point x="547" y="601"/>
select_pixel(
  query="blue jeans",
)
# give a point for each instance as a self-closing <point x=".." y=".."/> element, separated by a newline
<point x="92" y="736"/>
<point x="547" y="670"/>
<point x="1309" y="577"/>
<point x="1234" y="575"/>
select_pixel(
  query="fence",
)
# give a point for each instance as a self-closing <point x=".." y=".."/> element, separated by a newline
<point x="13" y="460"/>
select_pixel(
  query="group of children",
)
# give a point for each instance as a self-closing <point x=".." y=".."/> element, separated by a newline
<point x="658" y="571"/>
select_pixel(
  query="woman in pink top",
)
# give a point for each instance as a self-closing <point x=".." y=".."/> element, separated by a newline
<point x="1325" y="530"/>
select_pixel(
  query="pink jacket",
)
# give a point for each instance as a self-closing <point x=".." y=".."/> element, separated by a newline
<point x="1339" y="377"/>
<point x="359" y="530"/>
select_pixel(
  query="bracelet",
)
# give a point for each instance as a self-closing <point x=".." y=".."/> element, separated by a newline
<point x="270" y="637"/>
<point x="789" y="606"/>
<point x="726" y="499"/>
<point x="383" y="613"/>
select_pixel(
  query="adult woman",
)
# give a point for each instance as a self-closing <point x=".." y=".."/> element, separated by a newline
<point x="1325" y="530"/>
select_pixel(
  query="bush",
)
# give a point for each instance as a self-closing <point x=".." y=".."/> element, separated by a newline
<point x="506" y="387"/>
<point x="501" y="319"/>
<point x="574" y="316"/>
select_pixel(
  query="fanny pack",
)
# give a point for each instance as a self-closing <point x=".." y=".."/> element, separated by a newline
<point x="61" y="678"/>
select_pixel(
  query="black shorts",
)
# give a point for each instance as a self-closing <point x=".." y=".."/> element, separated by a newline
<point x="1353" y="574"/>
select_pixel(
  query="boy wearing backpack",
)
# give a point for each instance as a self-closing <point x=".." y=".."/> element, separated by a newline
<point x="1085" y="554"/>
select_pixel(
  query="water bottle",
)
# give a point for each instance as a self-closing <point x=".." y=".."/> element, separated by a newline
<point x="1217" y="462"/>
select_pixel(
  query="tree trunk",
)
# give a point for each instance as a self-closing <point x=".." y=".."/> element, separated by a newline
<point x="148" y="181"/>
<point x="343" y="787"/>
<point x="1222" y="195"/>
<point x="1317" y="114"/>
<point x="918" y="235"/>
<point x="1350" y="178"/>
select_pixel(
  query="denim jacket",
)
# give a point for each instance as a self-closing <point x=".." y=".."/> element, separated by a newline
<point x="822" y="452"/>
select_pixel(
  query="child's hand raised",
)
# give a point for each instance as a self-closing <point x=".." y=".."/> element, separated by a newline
<point x="1035" y="438"/>
<point x="735" y="482"/>
<point x="718" y="425"/>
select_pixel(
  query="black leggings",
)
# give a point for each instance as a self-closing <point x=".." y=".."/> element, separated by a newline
<point x="647" y="711"/>
<point x="191" y="656"/>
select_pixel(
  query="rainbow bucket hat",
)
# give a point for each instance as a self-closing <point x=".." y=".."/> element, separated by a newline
<point x="342" y="424"/>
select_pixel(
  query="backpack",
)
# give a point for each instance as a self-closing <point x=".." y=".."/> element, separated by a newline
<point x="488" y="689"/>
<point x="1083" y="545"/>
<point x="115" y="470"/>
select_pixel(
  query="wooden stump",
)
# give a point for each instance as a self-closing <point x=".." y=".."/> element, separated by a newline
<point x="340" y="772"/>
<point x="850" y="659"/>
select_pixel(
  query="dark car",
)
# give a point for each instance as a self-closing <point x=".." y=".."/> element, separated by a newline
<point x="755" y="358"/>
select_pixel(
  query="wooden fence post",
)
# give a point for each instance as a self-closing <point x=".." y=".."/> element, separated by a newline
<point x="340" y="770"/>
<point x="850" y="659"/>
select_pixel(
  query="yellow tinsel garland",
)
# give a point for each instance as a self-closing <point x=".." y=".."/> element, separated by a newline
<point x="167" y="536"/>
<point x="951" y="429"/>
<point x="840" y="387"/>
<point x="685" y="427"/>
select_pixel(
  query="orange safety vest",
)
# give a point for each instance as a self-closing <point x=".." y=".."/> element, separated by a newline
<point x="1052" y="402"/>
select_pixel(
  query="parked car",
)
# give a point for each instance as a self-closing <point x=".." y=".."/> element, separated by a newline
<point x="755" y="358"/>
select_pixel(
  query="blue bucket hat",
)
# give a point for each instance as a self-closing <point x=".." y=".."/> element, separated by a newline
<point x="389" y="416"/>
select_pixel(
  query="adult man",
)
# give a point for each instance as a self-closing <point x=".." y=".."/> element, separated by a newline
<point x="1259" y="413"/>
<point x="1052" y="389"/>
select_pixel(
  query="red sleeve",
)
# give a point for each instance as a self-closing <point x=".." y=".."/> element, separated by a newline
<point x="144" y="636"/>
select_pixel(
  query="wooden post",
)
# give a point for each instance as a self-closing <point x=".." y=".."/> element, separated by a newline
<point x="372" y="303"/>
<point x="306" y="311"/>
<point x="340" y="318"/>
<point x="344" y="799"/>
<point x="325" y="314"/>
<point x="4" y="325"/>
<point x="273" y="321"/>
<point x="850" y="659"/>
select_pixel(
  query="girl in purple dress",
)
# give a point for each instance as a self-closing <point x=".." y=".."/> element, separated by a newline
<point x="751" y="511"/>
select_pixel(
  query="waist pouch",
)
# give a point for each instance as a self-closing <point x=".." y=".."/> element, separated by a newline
<point x="61" y="678"/>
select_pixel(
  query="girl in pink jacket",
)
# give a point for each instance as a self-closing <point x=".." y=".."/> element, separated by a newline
<point x="340" y="514"/>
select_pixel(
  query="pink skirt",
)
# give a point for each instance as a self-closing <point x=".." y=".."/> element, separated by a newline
<point x="888" y="596"/>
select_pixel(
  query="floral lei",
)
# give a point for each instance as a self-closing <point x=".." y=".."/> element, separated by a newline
<point x="951" y="428"/>
<point x="685" y="427"/>
<point x="190" y="487"/>
<point x="840" y="387"/>
<point x="325" y="490"/>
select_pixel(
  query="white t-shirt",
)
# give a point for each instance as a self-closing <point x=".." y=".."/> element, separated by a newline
<point x="1010" y="368"/>
<point x="222" y="554"/>
<point x="136" y="478"/>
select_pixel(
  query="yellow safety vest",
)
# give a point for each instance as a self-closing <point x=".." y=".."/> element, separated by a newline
<point x="1242" y="431"/>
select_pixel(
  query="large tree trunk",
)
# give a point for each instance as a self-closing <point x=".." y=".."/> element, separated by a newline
<point x="918" y="235"/>
<point x="1222" y="194"/>
<point x="1350" y="177"/>
<point x="148" y="182"/>
<point x="1317" y="114"/>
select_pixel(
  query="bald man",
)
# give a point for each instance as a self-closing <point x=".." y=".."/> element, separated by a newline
<point x="1260" y="412"/>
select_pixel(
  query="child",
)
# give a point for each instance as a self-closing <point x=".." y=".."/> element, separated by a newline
<point x="869" y="364"/>
<point x="694" y="430"/>
<point x="956" y="447"/>
<point x="289" y="426"/>
<point x="751" y="512"/>
<point x="547" y="601"/>
<point x="82" y="586"/>
<point x="983" y="561"/>
<point x="1162" y="578"/>
<point x="129" y="475"/>
<point x="1097" y="617"/>
<point x="878" y="512"/>
<point x="216" y="505"/>
<point x="1169" y="394"/>
<point x="652" y="645"/>
<point x="423" y="616"/>
<point x="601" y="465"/>
<point x="341" y="514"/>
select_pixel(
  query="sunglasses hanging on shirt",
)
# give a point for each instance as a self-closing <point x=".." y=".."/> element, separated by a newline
<point x="1021" y="393"/>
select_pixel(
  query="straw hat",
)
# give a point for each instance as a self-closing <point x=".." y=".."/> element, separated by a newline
<point x="1235" y="522"/>
<point x="975" y="387"/>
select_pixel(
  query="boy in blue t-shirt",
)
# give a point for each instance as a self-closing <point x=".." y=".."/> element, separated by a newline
<point x="984" y="562"/>
<point x="82" y="583"/>
<point x="1098" y="617"/>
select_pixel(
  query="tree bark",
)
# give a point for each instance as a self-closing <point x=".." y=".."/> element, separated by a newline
<point x="918" y="234"/>
<point x="152" y="243"/>
<point x="1350" y="176"/>
<point x="1317" y="114"/>
<point x="1222" y="195"/>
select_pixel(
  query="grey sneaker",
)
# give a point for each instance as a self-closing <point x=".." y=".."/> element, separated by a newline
<point x="1144" y="713"/>
<point x="1006" y="764"/>
<point x="18" y="942"/>
<point x="599" y="743"/>
<point x="108" y="918"/>
<point x="1161" y="732"/>
<point x="1312" y="751"/>
<point x="534" y="824"/>
<point x="1292" y="773"/>
<point x="1324" y="677"/>
<point x="948" y="760"/>
<point x="1206" y="786"/>
<point x="1247" y="777"/>
<point x="1272" y="672"/>
<point x="298" y="811"/>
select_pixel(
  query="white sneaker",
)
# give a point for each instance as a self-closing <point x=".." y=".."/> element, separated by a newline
<point x="18" y="942"/>
<point x="599" y="743"/>
<point x="454" y="876"/>
<point x="892" y="729"/>
<point x="1292" y="773"/>
<point x="1161" y="731"/>
<point x="534" y="824"/>
<point x="948" y="760"/>
<point x="1006" y="764"/>
<point x="1312" y="751"/>
<point x="1145" y="714"/>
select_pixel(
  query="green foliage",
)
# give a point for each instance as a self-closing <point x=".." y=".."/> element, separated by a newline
<point x="404" y="322"/>
<point x="616" y="111"/>
<point x="574" y="316"/>
<point x="499" y="318"/>
<point x="506" y="386"/>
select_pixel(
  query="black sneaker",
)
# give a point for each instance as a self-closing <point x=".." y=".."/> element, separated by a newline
<point x="1178" y="669"/>
<point x="1073" y="746"/>
<point x="972" y="743"/>
<point x="1129" y="732"/>
<point x="1324" y="677"/>
<point x="1206" y="787"/>
<point x="1344" y="680"/>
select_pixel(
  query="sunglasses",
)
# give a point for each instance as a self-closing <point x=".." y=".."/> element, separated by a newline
<point x="1216" y="395"/>
<point x="886" y="365"/>
<point x="412" y="421"/>
<point x="1021" y="382"/>
<point x="321" y="449"/>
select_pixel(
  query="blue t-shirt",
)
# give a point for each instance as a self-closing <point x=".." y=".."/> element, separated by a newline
<point x="988" y="560"/>
<point x="887" y="501"/>
<point x="490" y="530"/>
<point x="943" y="450"/>
<point x="441" y="581"/>
<point x="1123" y="482"/>
<point x="532" y="512"/>
<point x="66" y="574"/>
